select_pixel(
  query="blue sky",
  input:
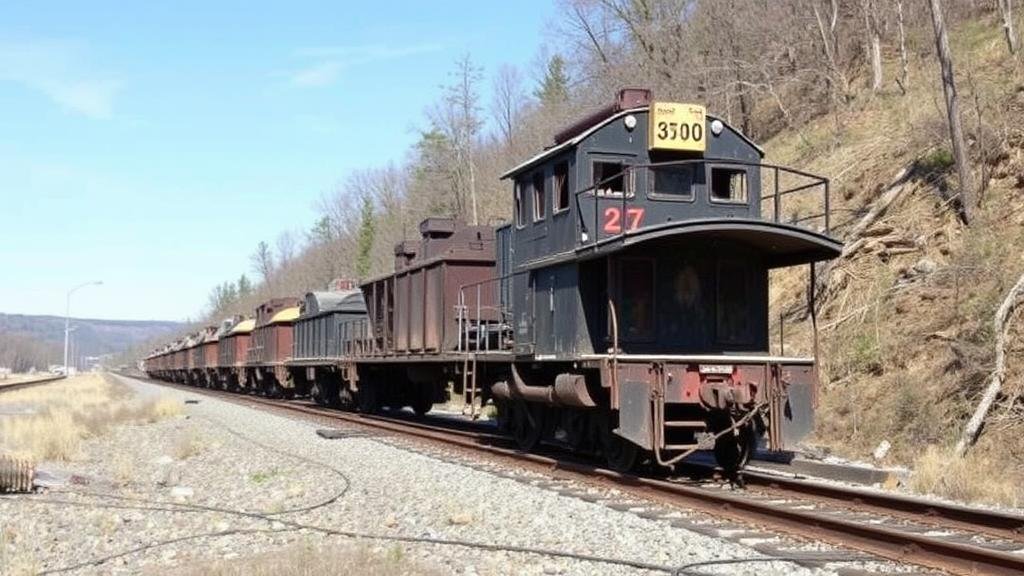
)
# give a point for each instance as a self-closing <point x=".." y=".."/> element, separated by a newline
<point x="152" y="145"/>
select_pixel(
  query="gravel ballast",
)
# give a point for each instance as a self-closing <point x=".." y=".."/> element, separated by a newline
<point x="229" y="481"/>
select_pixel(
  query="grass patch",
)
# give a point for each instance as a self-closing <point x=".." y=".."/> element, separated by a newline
<point x="262" y="477"/>
<point x="976" y="478"/>
<point x="63" y="414"/>
<point x="187" y="445"/>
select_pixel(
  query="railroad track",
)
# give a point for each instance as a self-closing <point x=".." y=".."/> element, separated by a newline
<point x="29" y="383"/>
<point x="904" y="529"/>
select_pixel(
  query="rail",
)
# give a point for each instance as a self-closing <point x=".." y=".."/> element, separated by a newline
<point x="29" y="383"/>
<point x="913" y="544"/>
<point x="640" y="178"/>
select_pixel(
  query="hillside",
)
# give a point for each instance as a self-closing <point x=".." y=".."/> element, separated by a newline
<point x="92" y="337"/>
<point x="906" y="316"/>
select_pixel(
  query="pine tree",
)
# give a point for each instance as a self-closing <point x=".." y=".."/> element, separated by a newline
<point x="554" y="88"/>
<point x="244" y="286"/>
<point x="367" y="232"/>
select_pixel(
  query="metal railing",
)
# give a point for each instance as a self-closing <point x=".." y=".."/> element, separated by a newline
<point x="471" y="321"/>
<point x="630" y="194"/>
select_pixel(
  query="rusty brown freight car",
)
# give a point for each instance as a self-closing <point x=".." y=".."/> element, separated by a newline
<point x="232" y="350"/>
<point x="271" y="346"/>
<point x="413" y="310"/>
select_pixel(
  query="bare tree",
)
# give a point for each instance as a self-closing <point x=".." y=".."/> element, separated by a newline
<point x="286" y="246"/>
<point x="873" y="42"/>
<point x="263" y="261"/>
<point x="507" y="101"/>
<point x="902" y="80"/>
<point x="458" y="120"/>
<point x="1006" y="11"/>
<point x="956" y="135"/>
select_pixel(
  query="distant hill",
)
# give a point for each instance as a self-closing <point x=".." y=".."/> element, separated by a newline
<point x="92" y="337"/>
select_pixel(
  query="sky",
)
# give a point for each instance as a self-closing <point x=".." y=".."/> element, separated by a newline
<point x="152" y="145"/>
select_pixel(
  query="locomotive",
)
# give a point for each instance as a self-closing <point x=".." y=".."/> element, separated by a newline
<point x="623" y="311"/>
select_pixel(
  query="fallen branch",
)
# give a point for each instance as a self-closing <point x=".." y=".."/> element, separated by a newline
<point x="995" y="383"/>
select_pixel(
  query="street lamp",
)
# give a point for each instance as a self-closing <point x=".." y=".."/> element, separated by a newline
<point x="67" y="319"/>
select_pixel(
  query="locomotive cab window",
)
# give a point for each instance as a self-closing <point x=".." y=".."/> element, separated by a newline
<point x="560" y="190"/>
<point x="674" y="182"/>
<point x="728" y="184"/>
<point x="519" y="205"/>
<point x="538" y="196"/>
<point x="609" y="178"/>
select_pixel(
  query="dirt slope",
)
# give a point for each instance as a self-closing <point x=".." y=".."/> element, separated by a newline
<point x="906" y="336"/>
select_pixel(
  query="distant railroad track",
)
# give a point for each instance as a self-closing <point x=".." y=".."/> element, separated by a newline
<point x="905" y="529"/>
<point x="28" y="383"/>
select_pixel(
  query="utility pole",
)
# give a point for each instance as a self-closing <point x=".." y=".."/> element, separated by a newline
<point x="67" y="320"/>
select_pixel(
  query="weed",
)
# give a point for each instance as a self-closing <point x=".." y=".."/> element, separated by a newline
<point x="188" y="444"/>
<point x="263" y="476"/>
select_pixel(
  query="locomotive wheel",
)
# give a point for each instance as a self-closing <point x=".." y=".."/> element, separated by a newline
<point x="317" y="393"/>
<point x="733" y="450"/>
<point x="526" y="425"/>
<point x="423" y="402"/>
<point x="620" y="454"/>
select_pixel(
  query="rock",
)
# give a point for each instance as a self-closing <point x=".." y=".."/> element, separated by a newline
<point x="460" y="519"/>
<point x="222" y="526"/>
<point x="925" y="266"/>
<point x="182" y="492"/>
<point x="391" y="522"/>
<point x="882" y="449"/>
<point x="163" y="460"/>
<point x="277" y="526"/>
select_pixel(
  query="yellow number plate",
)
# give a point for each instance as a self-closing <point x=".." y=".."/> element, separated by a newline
<point x="674" y="126"/>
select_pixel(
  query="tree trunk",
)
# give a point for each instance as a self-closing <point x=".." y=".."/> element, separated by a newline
<point x="873" y="43"/>
<point x="902" y="81"/>
<point x="1006" y="10"/>
<point x="956" y="135"/>
<point x="995" y="383"/>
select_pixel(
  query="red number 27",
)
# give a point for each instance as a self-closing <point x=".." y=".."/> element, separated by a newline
<point x="613" y="219"/>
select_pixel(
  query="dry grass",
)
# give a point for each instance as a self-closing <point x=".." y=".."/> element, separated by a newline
<point x="65" y="413"/>
<point x="905" y="355"/>
<point x="306" y="560"/>
<point x="977" y="478"/>
<point x="187" y="445"/>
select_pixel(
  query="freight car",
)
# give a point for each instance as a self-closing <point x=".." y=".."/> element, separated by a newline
<point x="624" y="310"/>
<point x="270" y="346"/>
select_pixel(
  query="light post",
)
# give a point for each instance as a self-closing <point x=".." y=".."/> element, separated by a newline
<point x="67" y="319"/>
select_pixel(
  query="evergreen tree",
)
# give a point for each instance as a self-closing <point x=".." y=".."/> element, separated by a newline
<point x="321" y="232"/>
<point x="244" y="286"/>
<point x="364" y="245"/>
<point x="554" y="88"/>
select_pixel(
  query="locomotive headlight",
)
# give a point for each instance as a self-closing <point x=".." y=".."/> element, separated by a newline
<point x="717" y="127"/>
<point x="630" y="122"/>
<point x="725" y="369"/>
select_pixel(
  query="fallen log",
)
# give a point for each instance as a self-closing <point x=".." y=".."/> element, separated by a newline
<point x="995" y="383"/>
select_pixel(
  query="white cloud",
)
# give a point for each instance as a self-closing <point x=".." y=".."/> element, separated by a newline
<point x="318" y="74"/>
<point x="331" y="61"/>
<point x="56" y="69"/>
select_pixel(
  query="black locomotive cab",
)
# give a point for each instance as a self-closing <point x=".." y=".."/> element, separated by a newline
<point x="640" y="250"/>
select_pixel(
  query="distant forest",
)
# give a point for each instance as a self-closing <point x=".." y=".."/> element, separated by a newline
<point x="28" y="341"/>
